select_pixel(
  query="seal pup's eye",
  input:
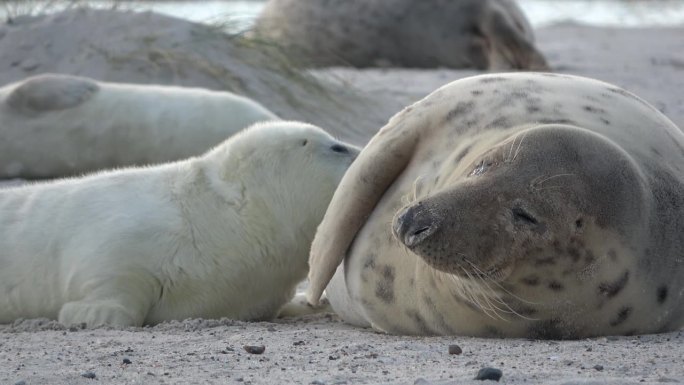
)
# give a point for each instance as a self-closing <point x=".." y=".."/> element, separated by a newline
<point x="339" y="148"/>
<point x="305" y="142"/>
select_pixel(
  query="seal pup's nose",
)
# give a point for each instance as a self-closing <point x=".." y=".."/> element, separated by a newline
<point x="414" y="224"/>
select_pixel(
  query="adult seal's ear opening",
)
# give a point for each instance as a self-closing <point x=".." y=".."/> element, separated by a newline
<point x="511" y="205"/>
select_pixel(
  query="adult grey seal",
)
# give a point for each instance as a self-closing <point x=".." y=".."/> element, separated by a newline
<point x="58" y="125"/>
<point x="482" y="34"/>
<point x="226" y="234"/>
<point x="512" y="205"/>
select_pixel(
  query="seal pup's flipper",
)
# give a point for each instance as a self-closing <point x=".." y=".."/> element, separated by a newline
<point x="51" y="92"/>
<point x="378" y="165"/>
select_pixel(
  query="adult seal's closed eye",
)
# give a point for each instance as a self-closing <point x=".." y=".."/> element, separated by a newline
<point x="483" y="34"/>
<point x="59" y="125"/>
<point x="226" y="234"/>
<point x="512" y="205"/>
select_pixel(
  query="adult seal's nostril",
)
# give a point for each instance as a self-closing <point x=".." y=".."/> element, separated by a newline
<point x="413" y="225"/>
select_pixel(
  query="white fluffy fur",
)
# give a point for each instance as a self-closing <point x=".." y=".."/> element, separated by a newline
<point x="226" y="234"/>
<point x="58" y="125"/>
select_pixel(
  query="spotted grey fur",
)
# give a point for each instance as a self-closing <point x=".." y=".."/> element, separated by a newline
<point x="511" y="205"/>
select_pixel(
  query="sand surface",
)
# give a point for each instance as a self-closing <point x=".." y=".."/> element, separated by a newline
<point x="321" y="349"/>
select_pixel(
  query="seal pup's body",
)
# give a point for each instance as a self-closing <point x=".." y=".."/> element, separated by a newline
<point x="226" y="234"/>
<point x="59" y="125"/>
<point x="511" y="205"/>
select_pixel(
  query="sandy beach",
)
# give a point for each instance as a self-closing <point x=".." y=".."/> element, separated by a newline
<point x="321" y="349"/>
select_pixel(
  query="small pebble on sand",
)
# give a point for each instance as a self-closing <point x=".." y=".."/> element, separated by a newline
<point x="90" y="375"/>
<point x="598" y="367"/>
<point x="253" y="349"/>
<point x="455" y="349"/>
<point x="489" y="374"/>
<point x="127" y="361"/>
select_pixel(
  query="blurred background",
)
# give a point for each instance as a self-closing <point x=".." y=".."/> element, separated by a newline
<point x="623" y="13"/>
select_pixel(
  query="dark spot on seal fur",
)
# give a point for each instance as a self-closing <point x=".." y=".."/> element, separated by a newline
<point x="629" y="95"/>
<point x="622" y="316"/>
<point x="461" y="108"/>
<point x="490" y="331"/>
<point x="370" y="262"/>
<point x="532" y="280"/>
<point x="418" y="321"/>
<point x="552" y="329"/>
<point x="525" y="311"/>
<point x="594" y="110"/>
<point x="545" y="261"/>
<point x="662" y="294"/>
<point x="519" y="94"/>
<point x="531" y="109"/>
<point x="385" y="285"/>
<point x="556" y="286"/>
<point x="476" y="92"/>
<point x="611" y="289"/>
<point x="574" y="253"/>
<point x="462" y="154"/>
<point x="612" y="255"/>
<point x="557" y="121"/>
<point x="500" y="122"/>
<point x="493" y="79"/>
<point x="605" y="121"/>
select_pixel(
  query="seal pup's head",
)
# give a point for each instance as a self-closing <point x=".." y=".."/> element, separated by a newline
<point x="546" y="195"/>
<point x="288" y="169"/>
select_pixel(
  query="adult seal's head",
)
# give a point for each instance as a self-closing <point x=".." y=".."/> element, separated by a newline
<point x="549" y="191"/>
<point x="511" y="205"/>
<point x="483" y="34"/>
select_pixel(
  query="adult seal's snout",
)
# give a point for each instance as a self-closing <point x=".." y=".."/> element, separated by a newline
<point x="414" y="224"/>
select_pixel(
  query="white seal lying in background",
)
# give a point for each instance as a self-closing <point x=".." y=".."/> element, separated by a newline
<point x="226" y="234"/>
<point x="59" y="125"/>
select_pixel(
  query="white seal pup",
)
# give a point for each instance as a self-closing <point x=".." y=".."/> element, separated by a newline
<point x="513" y="205"/>
<point x="482" y="34"/>
<point x="59" y="125"/>
<point x="226" y="234"/>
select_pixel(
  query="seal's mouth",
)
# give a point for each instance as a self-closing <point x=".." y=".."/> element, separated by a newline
<point x="498" y="272"/>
